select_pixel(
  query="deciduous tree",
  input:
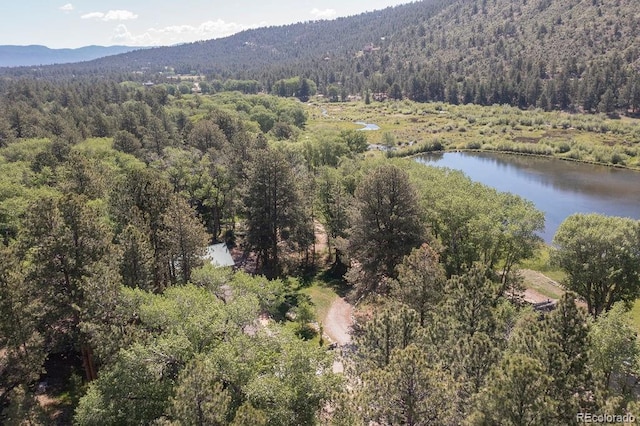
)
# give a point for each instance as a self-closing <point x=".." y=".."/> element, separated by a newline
<point x="600" y="255"/>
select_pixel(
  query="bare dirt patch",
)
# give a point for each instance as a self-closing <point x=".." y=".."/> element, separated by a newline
<point x="337" y="326"/>
<point x="338" y="321"/>
<point x="539" y="287"/>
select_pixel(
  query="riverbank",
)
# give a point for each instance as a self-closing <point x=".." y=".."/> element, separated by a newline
<point x="426" y="127"/>
<point x="428" y="149"/>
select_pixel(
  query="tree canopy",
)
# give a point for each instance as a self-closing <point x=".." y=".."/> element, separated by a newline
<point x="600" y="255"/>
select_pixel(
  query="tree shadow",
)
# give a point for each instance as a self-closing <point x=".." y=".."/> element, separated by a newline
<point x="306" y="332"/>
<point x="334" y="278"/>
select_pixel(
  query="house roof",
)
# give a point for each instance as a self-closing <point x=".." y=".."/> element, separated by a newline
<point x="219" y="255"/>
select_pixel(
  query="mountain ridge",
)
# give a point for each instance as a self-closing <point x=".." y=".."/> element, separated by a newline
<point x="36" y="55"/>
<point x="552" y="54"/>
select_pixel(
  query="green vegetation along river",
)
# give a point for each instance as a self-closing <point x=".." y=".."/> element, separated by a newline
<point x="558" y="188"/>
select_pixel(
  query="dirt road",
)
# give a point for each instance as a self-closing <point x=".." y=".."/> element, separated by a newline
<point x="337" y="323"/>
<point x="337" y="326"/>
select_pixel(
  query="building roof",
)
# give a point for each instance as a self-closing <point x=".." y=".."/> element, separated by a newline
<point x="219" y="255"/>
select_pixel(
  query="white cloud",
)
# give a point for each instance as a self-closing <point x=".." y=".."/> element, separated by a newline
<point x="93" y="15"/>
<point x="112" y="15"/>
<point x="66" y="8"/>
<point x="120" y="15"/>
<point x="323" y="14"/>
<point x="179" y="33"/>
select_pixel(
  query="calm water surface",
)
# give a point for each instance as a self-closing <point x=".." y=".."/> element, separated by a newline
<point x="558" y="188"/>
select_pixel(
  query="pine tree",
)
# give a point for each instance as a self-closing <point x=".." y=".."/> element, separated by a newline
<point x="391" y="329"/>
<point x="386" y="224"/>
<point x="408" y="391"/>
<point x="421" y="282"/>
<point x="22" y="325"/>
<point x="184" y="238"/>
<point x="274" y="207"/>
<point x="515" y="394"/>
<point x="200" y="398"/>
<point x="565" y="354"/>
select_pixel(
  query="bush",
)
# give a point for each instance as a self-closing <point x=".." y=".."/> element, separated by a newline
<point x="563" y="147"/>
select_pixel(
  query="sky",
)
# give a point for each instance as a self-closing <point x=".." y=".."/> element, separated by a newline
<point x="72" y="24"/>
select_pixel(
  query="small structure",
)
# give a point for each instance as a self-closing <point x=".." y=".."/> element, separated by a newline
<point x="547" y="306"/>
<point x="219" y="256"/>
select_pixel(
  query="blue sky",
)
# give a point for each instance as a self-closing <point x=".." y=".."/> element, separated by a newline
<point x="71" y="24"/>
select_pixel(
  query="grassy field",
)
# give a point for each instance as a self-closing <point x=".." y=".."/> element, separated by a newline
<point x="415" y="127"/>
<point x="542" y="284"/>
<point x="322" y="295"/>
<point x="541" y="262"/>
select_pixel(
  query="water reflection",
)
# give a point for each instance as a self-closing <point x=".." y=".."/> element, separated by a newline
<point x="558" y="188"/>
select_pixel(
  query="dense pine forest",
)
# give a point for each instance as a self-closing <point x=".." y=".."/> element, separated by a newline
<point x="577" y="55"/>
<point x="116" y="180"/>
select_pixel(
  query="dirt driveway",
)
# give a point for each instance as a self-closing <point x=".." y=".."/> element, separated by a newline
<point x="338" y="322"/>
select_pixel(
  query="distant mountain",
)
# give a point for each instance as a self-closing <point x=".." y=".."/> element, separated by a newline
<point x="551" y="54"/>
<point x="15" y="56"/>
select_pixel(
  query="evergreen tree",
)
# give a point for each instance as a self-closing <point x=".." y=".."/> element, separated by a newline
<point x="333" y="202"/>
<point x="22" y="336"/>
<point x="274" y="208"/>
<point x="615" y="352"/>
<point x="387" y="331"/>
<point x="184" y="239"/>
<point x="421" y="282"/>
<point x="305" y="91"/>
<point x="386" y="224"/>
<point x="565" y="354"/>
<point x="516" y="394"/>
<point x="408" y="391"/>
<point x="200" y="398"/>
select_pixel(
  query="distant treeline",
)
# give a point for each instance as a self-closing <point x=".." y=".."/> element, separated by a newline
<point x="560" y="55"/>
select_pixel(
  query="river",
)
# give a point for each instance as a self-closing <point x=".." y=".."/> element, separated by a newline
<point x="558" y="188"/>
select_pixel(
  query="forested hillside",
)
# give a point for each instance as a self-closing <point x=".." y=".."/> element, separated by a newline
<point x="553" y="54"/>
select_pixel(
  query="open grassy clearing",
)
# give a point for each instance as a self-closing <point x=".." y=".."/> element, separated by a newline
<point x="541" y="262"/>
<point x="322" y="296"/>
<point x="541" y="284"/>
<point x="417" y="127"/>
<point x="635" y="316"/>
